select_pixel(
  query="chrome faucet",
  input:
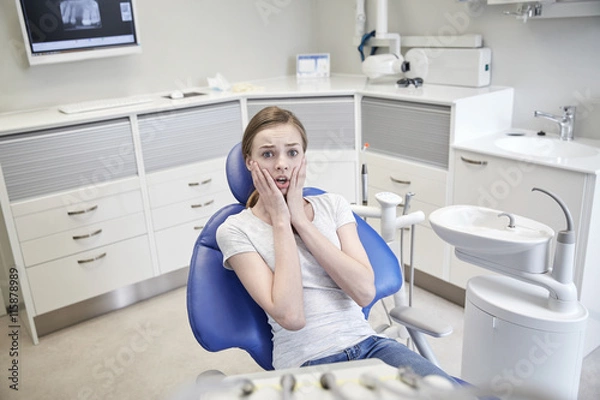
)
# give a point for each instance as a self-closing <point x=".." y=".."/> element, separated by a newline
<point x="566" y="122"/>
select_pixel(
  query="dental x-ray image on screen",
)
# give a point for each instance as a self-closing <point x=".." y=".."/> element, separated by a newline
<point x="80" y="14"/>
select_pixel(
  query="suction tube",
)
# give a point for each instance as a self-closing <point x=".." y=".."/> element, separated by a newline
<point x="564" y="255"/>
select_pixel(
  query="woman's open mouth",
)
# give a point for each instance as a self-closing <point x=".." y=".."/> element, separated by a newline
<point x="282" y="182"/>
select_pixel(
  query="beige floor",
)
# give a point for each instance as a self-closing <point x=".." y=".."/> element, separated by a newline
<point x="147" y="351"/>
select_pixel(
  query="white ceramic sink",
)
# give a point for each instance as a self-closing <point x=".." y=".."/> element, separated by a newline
<point x="540" y="146"/>
<point x="481" y="230"/>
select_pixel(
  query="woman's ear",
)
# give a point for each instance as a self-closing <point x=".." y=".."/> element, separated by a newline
<point x="248" y="163"/>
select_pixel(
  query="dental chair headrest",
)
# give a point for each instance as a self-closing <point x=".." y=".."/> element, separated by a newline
<point x="238" y="176"/>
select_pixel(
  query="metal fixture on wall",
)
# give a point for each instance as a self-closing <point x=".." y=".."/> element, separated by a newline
<point x="543" y="9"/>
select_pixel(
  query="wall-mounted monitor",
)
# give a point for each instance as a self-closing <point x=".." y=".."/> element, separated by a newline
<point x="70" y="30"/>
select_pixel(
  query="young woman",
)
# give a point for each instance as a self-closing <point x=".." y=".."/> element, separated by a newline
<point x="300" y="258"/>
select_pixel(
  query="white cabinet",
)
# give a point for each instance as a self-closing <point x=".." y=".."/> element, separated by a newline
<point x="73" y="251"/>
<point x="181" y="200"/>
<point x="70" y="195"/>
<point x="184" y="160"/>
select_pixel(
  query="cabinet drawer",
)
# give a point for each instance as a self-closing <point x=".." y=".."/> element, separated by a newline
<point x="84" y="194"/>
<point x="82" y="239"/>
<point x="78" y="215"/>
<point x="187" y="184"/>
<point x="190" y="210"/>
<point x="68" y="280"/>
<point x="399" y="176"/>
<point x="175" y="245"/>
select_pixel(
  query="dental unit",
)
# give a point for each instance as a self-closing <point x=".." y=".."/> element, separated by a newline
<point x="531" y="307"/>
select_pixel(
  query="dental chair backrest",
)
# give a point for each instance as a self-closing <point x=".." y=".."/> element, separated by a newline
<point x="221" y="313"/>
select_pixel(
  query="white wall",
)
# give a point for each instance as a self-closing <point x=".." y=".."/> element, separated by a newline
<point x="550" y="62"/>
<point x="184" y="42"/>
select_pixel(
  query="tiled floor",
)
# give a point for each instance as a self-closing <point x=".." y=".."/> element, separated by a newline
<point x="147" y="351"/>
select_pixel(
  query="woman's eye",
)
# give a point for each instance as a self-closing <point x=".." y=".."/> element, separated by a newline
<point x="267" y="154"/>
<point x="293" y="153"/>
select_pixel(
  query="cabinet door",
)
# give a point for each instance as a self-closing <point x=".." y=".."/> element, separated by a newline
<point x="505" y="185"/>
<point x="175" y="138"/>
<point x="413" y="131"/>
<point x="329" y="124"/>
<point x="54" y="160"/>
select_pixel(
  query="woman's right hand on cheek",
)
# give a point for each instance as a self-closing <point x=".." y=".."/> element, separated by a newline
<point x="270" y="195"/>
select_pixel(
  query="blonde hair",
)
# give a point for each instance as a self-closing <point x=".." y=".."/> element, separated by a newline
<point x="264" y="119"/>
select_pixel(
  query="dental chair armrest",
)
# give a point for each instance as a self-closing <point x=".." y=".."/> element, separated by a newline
<point x="419" y="320"/>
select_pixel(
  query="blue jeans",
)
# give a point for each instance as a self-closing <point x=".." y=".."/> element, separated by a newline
<point x="387" y="350"/>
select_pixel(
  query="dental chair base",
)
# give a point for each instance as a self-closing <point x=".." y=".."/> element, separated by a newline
<point x="514" y="341"/>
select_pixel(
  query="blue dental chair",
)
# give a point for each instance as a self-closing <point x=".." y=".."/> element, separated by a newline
<point x="221" y="313"/>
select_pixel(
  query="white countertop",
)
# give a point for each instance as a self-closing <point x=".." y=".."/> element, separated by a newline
<point x="289" y="86"/>
<point x="486" y="145"/>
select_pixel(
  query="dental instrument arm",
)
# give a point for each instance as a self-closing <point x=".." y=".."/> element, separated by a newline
<point x="416" y="321"/>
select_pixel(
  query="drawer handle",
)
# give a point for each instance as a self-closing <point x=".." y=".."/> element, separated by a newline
<point x="89" y="260"/>
<point x="474" y="162"/>
<point x="204" y="182"/>
<point x="208" y="203"/>
<point x="198" y="228"/>
<point x="79" y="212"/>
<point x="399" y="181"/>
<point x="86" y="236"/>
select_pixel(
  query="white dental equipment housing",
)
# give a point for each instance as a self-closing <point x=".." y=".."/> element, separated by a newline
<point x="526" y="332"/>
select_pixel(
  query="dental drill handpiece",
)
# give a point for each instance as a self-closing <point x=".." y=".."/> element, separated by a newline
<point x="328" y="383"/>
<point x="288" y="383"/>
<point x="373" y="383"/>
<point x="407" y="197"/>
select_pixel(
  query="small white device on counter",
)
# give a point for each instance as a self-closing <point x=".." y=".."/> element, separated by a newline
<point x="312" y="65"/>
<point x="449" y="66"/>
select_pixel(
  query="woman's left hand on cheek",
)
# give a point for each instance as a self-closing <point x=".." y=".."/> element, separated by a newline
<point x="294" y="196"/>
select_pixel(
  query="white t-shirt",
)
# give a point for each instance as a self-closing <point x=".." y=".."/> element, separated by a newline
<point x="333" y="320"/>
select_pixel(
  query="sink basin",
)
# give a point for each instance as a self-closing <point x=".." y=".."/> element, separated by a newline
<point x="545" y="147"/>
<point x="479" y="228"/>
